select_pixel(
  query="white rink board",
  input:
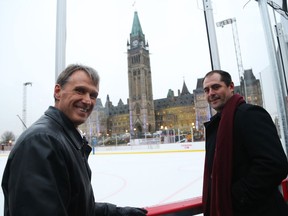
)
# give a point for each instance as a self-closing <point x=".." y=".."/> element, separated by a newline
<point x="155" y="147"/>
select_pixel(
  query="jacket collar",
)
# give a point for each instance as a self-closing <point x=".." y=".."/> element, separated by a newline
<point x="214" y="118"/>
<point x="67" y="126"/>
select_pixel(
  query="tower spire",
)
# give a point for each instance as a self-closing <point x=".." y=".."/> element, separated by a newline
<point x="136" y="27"/>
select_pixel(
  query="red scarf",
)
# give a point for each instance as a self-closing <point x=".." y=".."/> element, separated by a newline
<point x="220" y="200"/>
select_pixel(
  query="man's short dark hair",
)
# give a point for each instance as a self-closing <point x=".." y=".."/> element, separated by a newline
<point x="225" y="76"/>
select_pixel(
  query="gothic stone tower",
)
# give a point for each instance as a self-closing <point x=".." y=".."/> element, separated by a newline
<point x="141" y="104"/>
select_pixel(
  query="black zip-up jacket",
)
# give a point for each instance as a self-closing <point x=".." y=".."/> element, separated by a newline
<point x="259" y="162"/>
<point x="47" y="172"/>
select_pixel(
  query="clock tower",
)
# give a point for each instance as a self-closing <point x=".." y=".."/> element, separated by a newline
<point x="141" y="104"/>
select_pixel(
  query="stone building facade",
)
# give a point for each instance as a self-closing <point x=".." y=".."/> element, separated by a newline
<point x="142" y="114"/>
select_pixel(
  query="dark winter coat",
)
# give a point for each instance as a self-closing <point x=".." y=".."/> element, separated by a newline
<point x="47" y="172"/>
<point x="259" y="162"/>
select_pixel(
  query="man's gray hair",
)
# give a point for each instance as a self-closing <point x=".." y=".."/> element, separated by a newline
<point x="70" y="69"/>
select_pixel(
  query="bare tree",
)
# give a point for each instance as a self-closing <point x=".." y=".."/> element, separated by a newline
<point x="7" y="137"/>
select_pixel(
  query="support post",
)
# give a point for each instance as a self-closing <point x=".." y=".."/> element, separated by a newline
<point x="60" y="37"/>
<point x="278" y="85"/>
<point x="211" y="34"/>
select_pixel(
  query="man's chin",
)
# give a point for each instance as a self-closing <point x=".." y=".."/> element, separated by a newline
<point x="215" y="106"/>
<point x="79" y="121"/>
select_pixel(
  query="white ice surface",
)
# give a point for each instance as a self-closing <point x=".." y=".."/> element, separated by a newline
<point x="142" y="179"/>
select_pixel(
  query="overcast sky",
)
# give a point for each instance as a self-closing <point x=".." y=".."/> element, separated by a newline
<point x="97" y="33"/>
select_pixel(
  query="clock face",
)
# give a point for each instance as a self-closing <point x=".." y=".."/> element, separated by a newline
<point x="135" y="43"/>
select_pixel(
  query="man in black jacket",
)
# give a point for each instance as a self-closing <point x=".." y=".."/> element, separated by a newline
<point x="47" y="172"/>
<point x="245" y="161"/>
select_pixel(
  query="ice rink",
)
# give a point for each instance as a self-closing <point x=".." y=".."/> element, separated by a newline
<point x="142" y="178"/>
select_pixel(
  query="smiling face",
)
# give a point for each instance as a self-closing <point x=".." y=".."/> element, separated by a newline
<point x="77" y="97"/>
<point x="217" y="93"/>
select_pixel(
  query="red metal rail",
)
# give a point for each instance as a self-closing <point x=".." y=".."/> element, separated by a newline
<point x="187" y="207"/>
<point x="193" y="206"/>
<point x="284" y="187"/>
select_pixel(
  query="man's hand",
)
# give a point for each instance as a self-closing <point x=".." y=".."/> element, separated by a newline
<point x="131" y="211"/>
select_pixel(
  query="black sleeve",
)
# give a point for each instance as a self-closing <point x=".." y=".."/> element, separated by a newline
<point x="105" y="209"/>
<point x="108" y="209"/>
<point x="32" y="179"/>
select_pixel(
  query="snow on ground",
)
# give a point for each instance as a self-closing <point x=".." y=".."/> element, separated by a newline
<point x="142" y="178"/>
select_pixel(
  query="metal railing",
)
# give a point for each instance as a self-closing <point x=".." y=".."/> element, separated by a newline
<point x="194" y="206"/>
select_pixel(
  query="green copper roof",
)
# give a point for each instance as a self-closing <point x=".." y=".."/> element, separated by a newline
<point x="136" y="27"/>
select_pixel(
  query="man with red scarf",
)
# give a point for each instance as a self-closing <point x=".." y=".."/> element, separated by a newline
<point x="245" y="161"/>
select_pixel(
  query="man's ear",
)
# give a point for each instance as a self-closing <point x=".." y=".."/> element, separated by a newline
<point x="231" y="85"/>
<point x="57" y="90"/>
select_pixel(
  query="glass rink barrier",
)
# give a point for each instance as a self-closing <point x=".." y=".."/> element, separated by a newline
<point x="193" y="206"/>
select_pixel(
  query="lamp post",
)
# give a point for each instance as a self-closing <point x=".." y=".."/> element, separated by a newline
<point x="173" y="135"/>
<point x="192" y="132"/>
<point x="24" y="111"/>
<point x="232" y="21"/>
<point x="146" y="131"/>
<point x="167" y="134"/>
